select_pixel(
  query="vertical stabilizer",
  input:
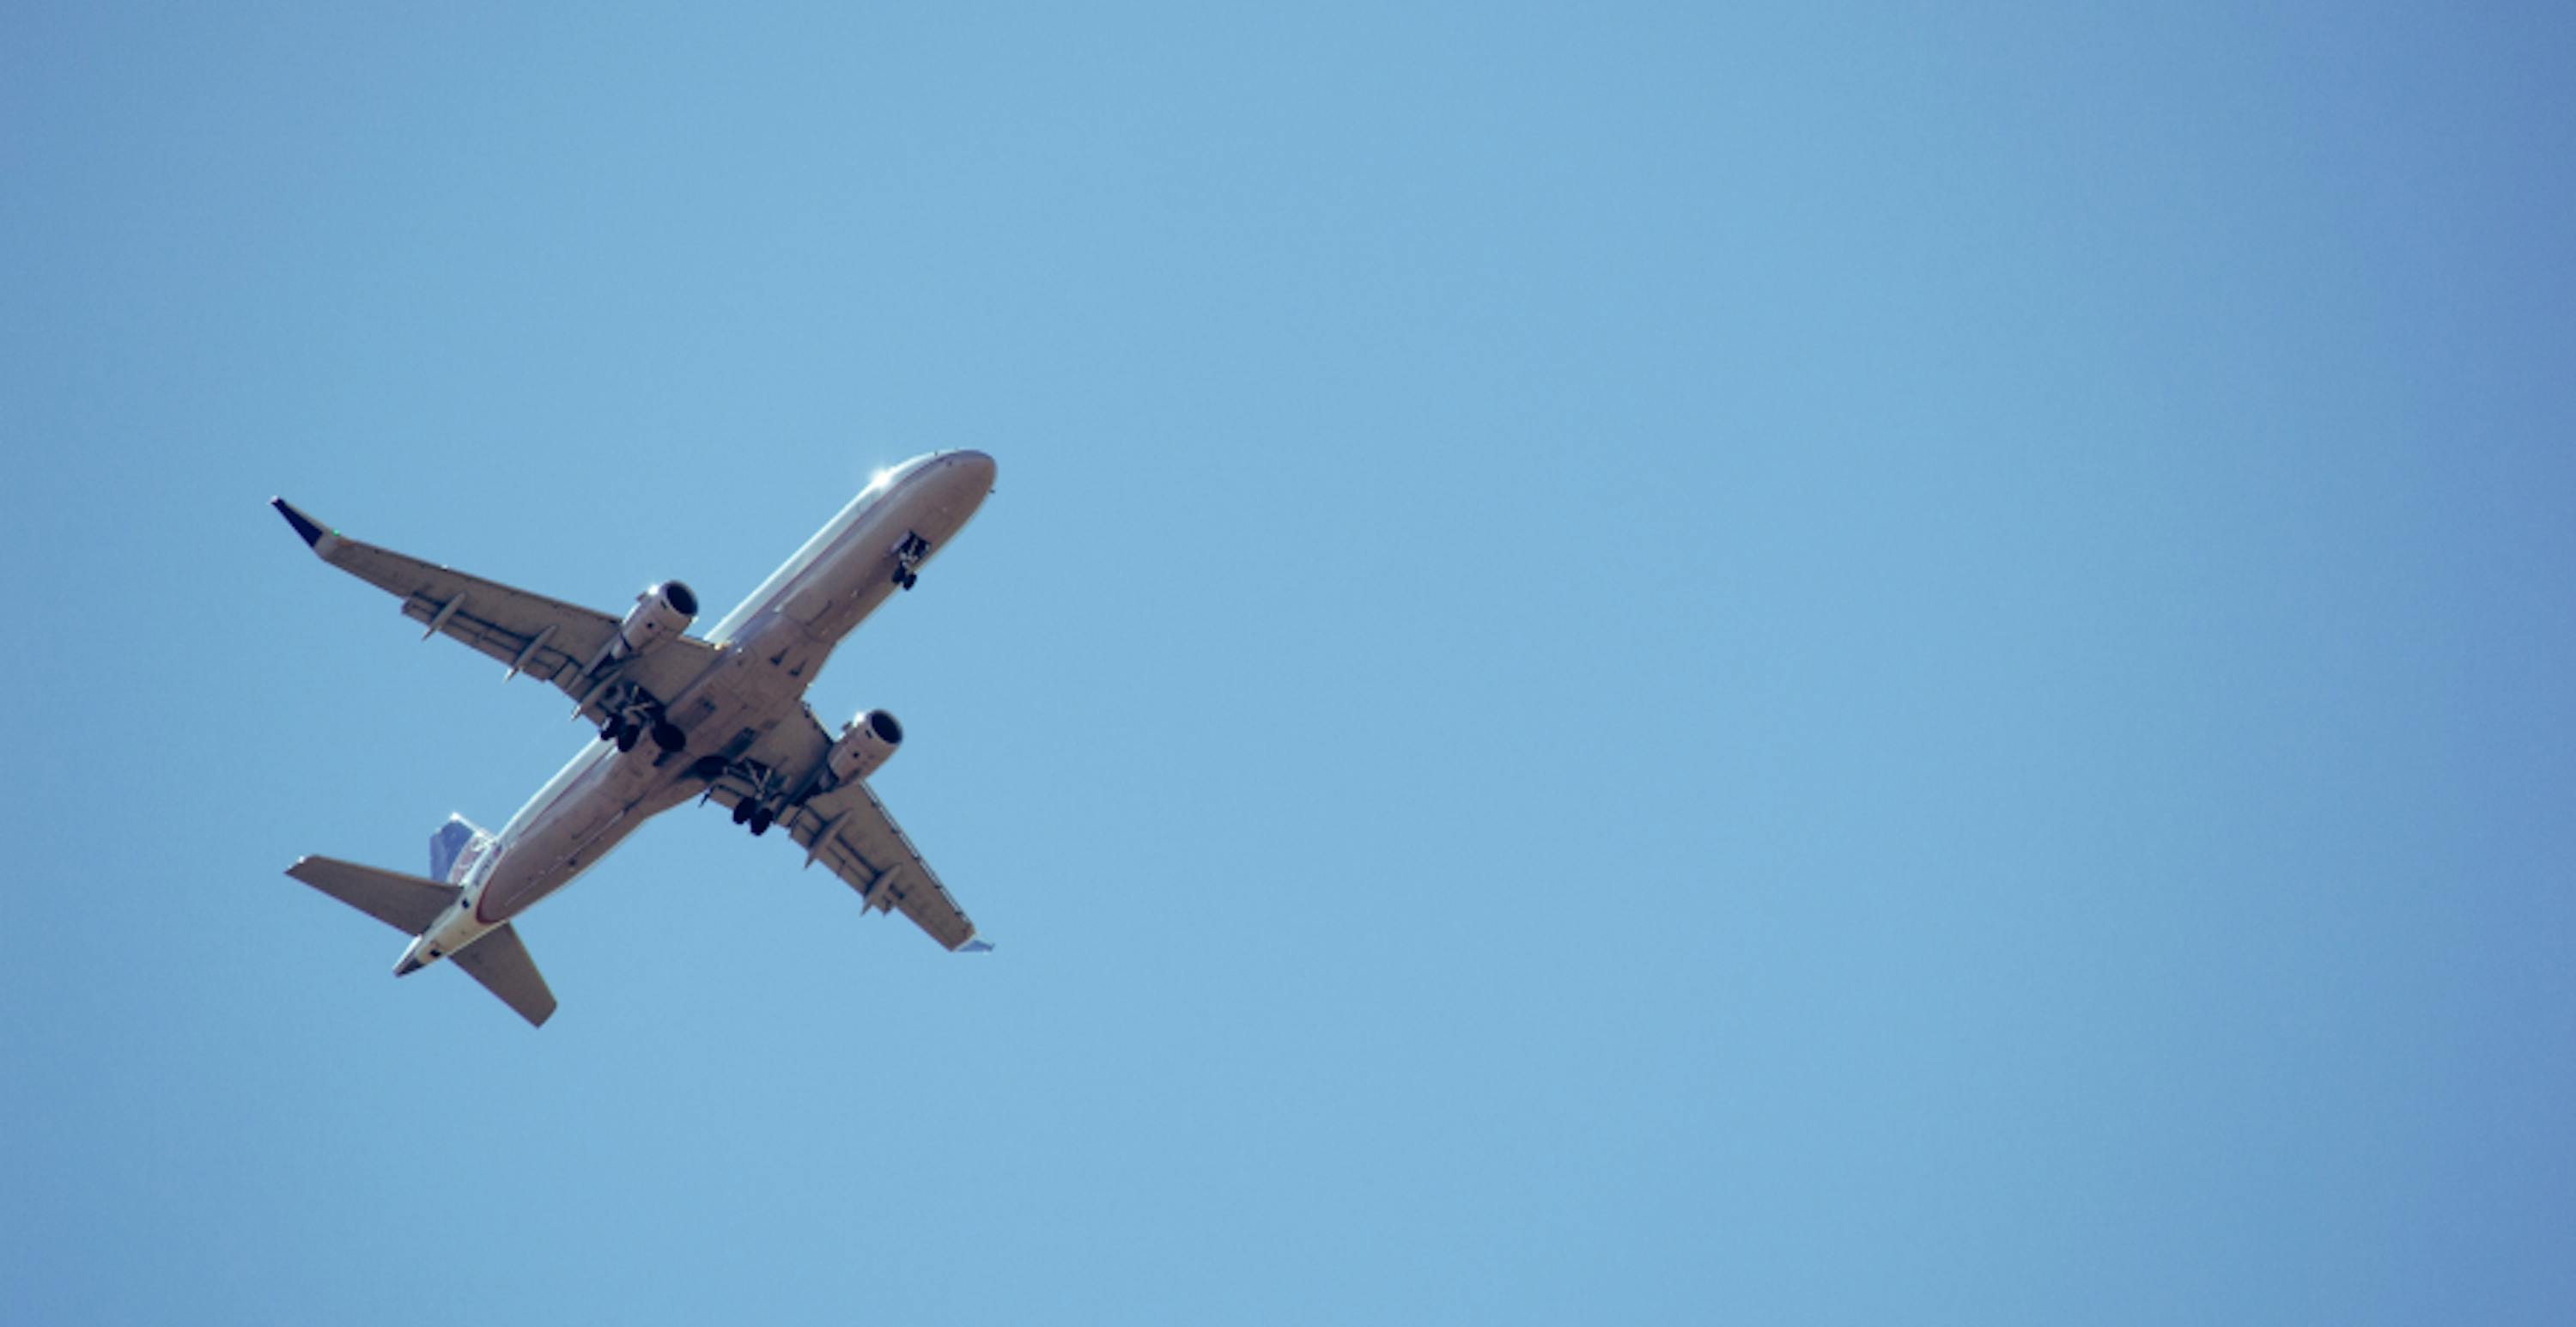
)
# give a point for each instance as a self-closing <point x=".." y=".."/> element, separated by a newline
<point x="454" y="848"/>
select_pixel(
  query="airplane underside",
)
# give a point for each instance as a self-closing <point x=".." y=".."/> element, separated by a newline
<point x="719" y="719"/>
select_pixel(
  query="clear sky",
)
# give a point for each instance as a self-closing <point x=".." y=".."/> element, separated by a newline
<point x="1775" y="663"/>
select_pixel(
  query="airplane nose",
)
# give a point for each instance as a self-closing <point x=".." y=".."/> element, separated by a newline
<point x="976" y="466"/>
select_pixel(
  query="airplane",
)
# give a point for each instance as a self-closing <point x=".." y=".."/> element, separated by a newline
<point x="720" y="718"/>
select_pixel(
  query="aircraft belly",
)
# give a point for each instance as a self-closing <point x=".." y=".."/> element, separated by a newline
<point x="760" y="686"/>
<point x="614" y="797"/>
<point x="571" y="834"/>
<point x="731" y="705"/>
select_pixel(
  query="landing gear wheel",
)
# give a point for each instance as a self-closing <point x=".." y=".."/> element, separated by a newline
<point x="908" y="556"/>
<point x="626" y="739"/>
<point x="910" y="579"/>
<point x="667" y="735"/>
<point x="742" y="811"/>
<point x="608" y="731"/>
<point x="759" y="823"/>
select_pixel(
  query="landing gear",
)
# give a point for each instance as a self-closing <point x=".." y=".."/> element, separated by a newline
<point x="634" y="715"/>
<point x="908" y="556"/>
<point x="749" y="812"/>
<point x="758" y="806"/>
<point x="665" y="735"/>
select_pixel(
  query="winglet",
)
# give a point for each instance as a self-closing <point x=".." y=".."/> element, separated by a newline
<point x="976" y="947"/>
<point x="310" y="529"/>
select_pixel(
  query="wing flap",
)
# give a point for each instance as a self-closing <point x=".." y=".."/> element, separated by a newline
<point x="544" y="653"/>
<point x="849" y="830"/>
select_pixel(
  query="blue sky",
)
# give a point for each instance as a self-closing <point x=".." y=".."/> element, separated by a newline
<point x="1779" y="663"/>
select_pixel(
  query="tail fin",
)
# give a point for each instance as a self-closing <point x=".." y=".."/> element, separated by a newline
<point x="454" y="848"/>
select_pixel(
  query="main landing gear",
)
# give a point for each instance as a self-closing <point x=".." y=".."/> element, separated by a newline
<point x="626" y="732"/>
<point x="756" y="808"/>
<point x="637" y="716"/>
<point x="908" y="556"/>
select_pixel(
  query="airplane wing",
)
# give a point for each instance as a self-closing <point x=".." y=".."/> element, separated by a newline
<point x="544" y="638"/>
<point x="849" y="830"/>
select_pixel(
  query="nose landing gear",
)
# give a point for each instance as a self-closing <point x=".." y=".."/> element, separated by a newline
<point x="908" y="555"/>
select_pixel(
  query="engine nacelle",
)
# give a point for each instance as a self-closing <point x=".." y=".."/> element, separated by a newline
<point x="661" y="612"/>
<point x="864" y="746"/>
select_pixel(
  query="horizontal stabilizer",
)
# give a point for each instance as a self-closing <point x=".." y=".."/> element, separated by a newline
<point x="406" y="903"/>
<point x="409" y="904"/>
<point x="501" y="963"/>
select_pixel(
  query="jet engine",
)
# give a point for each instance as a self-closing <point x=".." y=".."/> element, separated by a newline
<point x="864" y="746"/>
<point x="661" y="612"/>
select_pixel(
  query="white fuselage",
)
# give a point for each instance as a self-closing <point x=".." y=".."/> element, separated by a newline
<point x="768" y="650"/>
